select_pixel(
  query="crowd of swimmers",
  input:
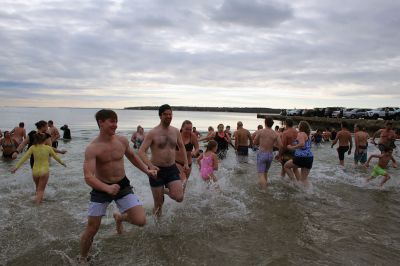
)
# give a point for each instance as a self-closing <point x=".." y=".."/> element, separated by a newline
<point x="172" y="151"/>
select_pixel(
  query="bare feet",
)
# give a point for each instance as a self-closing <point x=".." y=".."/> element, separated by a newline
<point x="118" y="222"/>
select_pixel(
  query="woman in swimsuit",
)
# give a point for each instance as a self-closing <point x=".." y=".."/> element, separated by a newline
<point x="191" y="143"/>
<point x="9" y="146"/>
<point x="303" y="156"/>
<point x="138" y="137"/>
<point x="40" y="171"/>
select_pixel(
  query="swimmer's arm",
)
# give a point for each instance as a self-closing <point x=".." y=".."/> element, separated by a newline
<point x="199" y="160"/>
<point x="250" y="138"/>
<point x="236" y="140"/>
<point x="370" y="157"/>
<point x="23" y="144"/>
<point x="23" y="159"/>
<point x="351" y="145"/>
<point x="278" y="142"/>
<point x="142" y="150"/>
<point x="196" y="145"/>
<point x="135" y="160"/>
<point x="356" y="143"/>
<point x="182" y="150"/>
<point x="257" y="139"/>
<point x="215" y="161"/>
<point x="378" y="132"/>
<point x="336" y="140"/>
<point x="394" y="163"/>
<point x="55" y="156"/>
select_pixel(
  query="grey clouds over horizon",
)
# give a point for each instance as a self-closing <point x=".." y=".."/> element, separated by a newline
<point x="279" y="54"/>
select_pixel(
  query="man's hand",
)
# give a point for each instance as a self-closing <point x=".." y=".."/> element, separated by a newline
<point x="113" y="189"/>
<point x="152" y="173"/>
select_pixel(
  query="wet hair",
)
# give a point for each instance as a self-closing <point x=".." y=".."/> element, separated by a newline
<point x="345" y="125"/>
<point x="21" y="124"/>
<point x="211" y="145"/>
<point x="259" y="127"/>
<point x="50" y="122"/>
<point x="240" y="124"/>
<point x="186" y="122"/>
<point x="40" y="124"/>
<point x="39" y="138"/>
<point x="269" y="122"/>
<point x="104" y="114"/>
<point x="289" y="122"/>
<point x="163" y="108"/>
<point x="305" y="127"/>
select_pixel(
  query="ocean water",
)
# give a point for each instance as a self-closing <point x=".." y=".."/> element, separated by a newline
<point x="340" y="221"/>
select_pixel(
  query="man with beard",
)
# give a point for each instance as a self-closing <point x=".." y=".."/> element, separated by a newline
<point x="163" y="141"/>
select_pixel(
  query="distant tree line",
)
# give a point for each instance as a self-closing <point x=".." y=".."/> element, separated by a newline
<point x="212" y="109"/>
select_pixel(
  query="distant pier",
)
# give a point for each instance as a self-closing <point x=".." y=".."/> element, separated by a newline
<point x="324" y="122"/>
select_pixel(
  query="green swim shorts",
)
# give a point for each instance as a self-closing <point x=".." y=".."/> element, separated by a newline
<point x="378" y="171"/>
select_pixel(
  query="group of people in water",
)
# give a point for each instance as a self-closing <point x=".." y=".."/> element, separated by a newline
<point x="170" y="162"/>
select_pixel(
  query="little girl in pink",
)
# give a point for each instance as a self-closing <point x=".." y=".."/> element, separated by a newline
<point x="208" y="162"/>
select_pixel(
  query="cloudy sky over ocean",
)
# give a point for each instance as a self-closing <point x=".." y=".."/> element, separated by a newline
<point x="245" y="53"/>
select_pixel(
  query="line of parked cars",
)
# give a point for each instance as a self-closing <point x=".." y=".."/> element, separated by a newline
<point x="387" y="113"/>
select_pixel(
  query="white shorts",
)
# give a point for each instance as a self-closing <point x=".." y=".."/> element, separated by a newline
<point x="123" y="204"/>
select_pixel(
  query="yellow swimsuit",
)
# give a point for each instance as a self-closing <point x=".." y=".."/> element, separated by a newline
<point x="41" y="153"/>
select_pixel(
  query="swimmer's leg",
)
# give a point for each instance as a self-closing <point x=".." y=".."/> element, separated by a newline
<point x="86" y="241"/>
<point x="42" y="183"/>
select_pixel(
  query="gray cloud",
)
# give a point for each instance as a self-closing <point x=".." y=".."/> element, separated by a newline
<point x="240" y="51"/>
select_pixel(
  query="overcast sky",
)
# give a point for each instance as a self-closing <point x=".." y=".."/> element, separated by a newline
<point x="245" y="53"/>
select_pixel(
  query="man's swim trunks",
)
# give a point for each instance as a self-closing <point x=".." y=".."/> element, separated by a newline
<point x="243" y="150"/>
<point x="264" y="159"/>
<point x="164" y="176"/>
<point x="341" y="151"/>
<point x="125" y="199"/>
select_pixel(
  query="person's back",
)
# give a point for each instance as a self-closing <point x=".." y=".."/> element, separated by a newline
<point x="288" y="137"/>
<point x="362" y="138"/>
<point x="19" y="133"/>
<point x="344" y="137"/>
<point x="243" y="137"/>
<point x="267" y="138"/>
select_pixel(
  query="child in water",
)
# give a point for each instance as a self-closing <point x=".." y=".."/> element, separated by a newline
<point x="379" y="169"/>
<point x="40" y="170"/>
<point x="208" y="162"/>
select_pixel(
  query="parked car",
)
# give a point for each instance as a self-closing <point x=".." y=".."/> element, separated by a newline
<point x="330" y="110"/>
<point x="355" y="113"/>
<point x="308" y="112"/>
<point x="381" y="112"/>
<point x="320" y="112"/>
<point x="294" y="112"/>
<point x="396" y="114"/>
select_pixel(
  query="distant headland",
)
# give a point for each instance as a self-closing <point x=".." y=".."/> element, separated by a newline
<point x="212" y="109"/>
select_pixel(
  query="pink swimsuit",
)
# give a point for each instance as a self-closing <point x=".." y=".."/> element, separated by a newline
<point x="207" y="167"/>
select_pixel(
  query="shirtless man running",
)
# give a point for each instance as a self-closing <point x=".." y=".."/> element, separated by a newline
<point x="387" y="137"/>
<point x="19" y="133"/>
<point x="55" y="135"/>
<point x="267" y="139"/>
<point x="345" y="142"/>
<point x="288" y="136"/>
<point x="361" y="144"/>
<point x="104" y="171"/>
<point x="243" y="140"/>
<point x="162" y="141"/>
